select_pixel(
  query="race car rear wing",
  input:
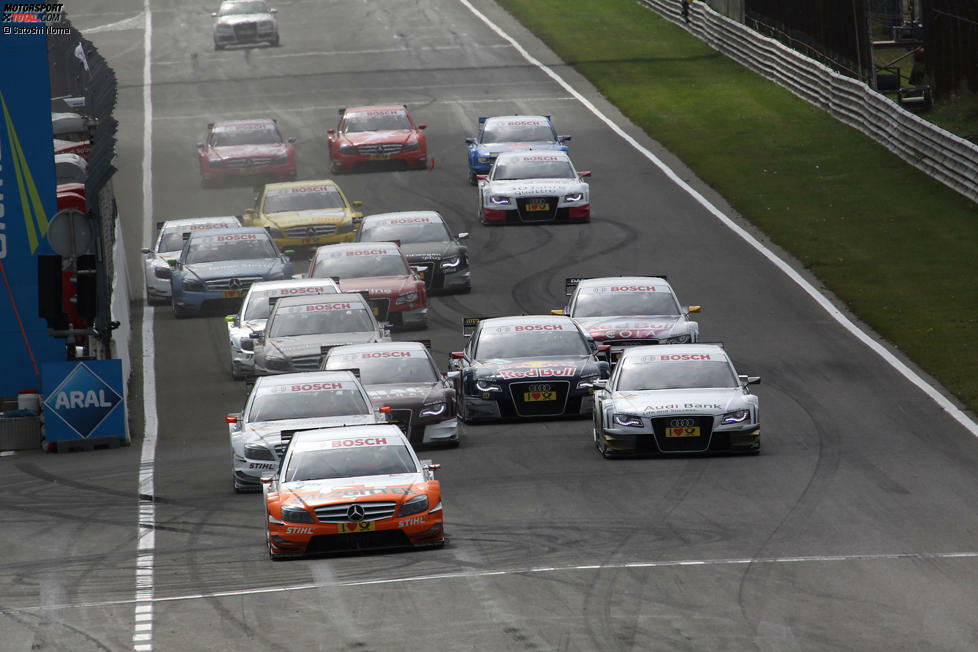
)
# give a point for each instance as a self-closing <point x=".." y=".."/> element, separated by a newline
<point x="574" y="281"/>
<point x="469" y="324"/>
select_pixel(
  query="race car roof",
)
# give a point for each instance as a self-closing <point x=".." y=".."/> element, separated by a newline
<point x="532" y="155"/>
<point x="403" y="217"/>
<point x="418" y="347"/>
<point x="265" y="382"/>
<point x="315" y="439"/>
<point x="358" y="248"/>
<point x="398" y="108"/>
<point x="233" y="125"/>
<point x="675" y="352"/>
<point x="228" y="233"/>
<point x="542" y="119"/>
<point x="300" y="184"/>
<point x="271" y="286"/>
<point x="529" y="319"/>
<point x="358" y="299"/>
<point x="607" y="281"/>
<point x="193" y="221"/>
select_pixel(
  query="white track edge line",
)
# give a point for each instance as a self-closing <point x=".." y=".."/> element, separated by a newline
<point x="955" y="412"/>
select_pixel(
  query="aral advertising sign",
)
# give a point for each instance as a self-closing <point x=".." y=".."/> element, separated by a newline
<point x="84" y="400"/>
<point x="27" y="202"/>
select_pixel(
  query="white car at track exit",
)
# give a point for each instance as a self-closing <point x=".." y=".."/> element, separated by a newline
<point x="278" y="406"/>
<point x="253" y="315"/>
<point x="676" y="399"/>
<point x="534" y="187"/>
<point x="169" y="243"/>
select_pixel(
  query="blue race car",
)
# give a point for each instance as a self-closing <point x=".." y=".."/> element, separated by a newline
<point x="216" y="268"/>
<point x="510" y="133"/>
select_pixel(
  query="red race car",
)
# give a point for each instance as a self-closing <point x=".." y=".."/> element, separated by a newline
<point x="245" y="148"/>
<point x="371" y="134"/>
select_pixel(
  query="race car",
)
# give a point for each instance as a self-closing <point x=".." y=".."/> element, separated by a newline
<point x="534" y="187"/>
<point x="347" y="489"/>
<point x="436" y="255"/>
<point x="253" y="314"/>
<point x="304" y="213"/>
<point x="396" y="292"/>
<point x="626" y="311"/>
<point x="510" y="133"/>
<point x="300" y="330"/>
<point x="404" y="377"/>
<point x="684" y="398"/>
<point x="237" y="149"/>
<point x="216" y="268"/>
<point x="279" y="406"/>
<point x="242" y="22"/>
<point x="372" y="134"/>
<point x="529" y="366"/>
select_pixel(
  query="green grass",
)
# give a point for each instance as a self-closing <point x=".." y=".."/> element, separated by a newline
<point x="898" y="247"/>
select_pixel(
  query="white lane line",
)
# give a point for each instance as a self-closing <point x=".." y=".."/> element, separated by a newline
<point x="969" y="424"/>
<point x="142" y="637"/>
<point x="463" y="575"/>
<point x="133" y="22"/>
<point x="330" y="53"/>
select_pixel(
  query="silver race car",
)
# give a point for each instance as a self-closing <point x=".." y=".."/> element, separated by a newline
<point x="534" y="187"/>
<point x="241" y="22"/>
<point x="253" y="314"/>
<point x="169" y="243"/>
<point x="685" y="398"/>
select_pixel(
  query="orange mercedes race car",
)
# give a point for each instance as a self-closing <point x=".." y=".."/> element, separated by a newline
<point x="351" y="488"/>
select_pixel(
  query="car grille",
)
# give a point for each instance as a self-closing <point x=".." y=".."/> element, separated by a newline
<point x="310" y="231"/>
<point x="551" y="408"/>
<point x="246" y="30"/>
<point x="537" y="216"/>
<point x="372" y="511"/>
<point x="257" y="162"/>
<point x="381" y="308"/>
<point x="427" y="271"/>
<point x="401" y="419"/>
<point x="683" y="444"/>
<point x="379" y="148"/>
<point x="306" y="362"/>
<point x="358" y="541"/>
<point x="225" y="283"/>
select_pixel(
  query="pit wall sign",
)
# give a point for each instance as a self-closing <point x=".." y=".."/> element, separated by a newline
<point x="84" y="400"/>
<point x="28" y="201"/>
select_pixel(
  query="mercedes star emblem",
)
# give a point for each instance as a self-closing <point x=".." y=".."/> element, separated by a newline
<point x="355" y="513"/>
<point x="235" y="283"/>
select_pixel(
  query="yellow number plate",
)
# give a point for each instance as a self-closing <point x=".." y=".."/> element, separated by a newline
<point x="532" y="397"/>
<point x="379" y="157"/>
<point x="232" y="294"/>
<point x="421" y="274"/>
<point x="683" y="432"/>
<point x="362" y="526"/>
<point x="538" y="207"/>
<point x="376" y="311"/>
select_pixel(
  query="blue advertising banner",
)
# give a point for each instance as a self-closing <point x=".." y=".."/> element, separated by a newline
<point x="28" y="197"/>
<point x="84" y="400"/>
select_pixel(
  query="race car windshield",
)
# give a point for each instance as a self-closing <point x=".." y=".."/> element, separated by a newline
<point x="525" y="133"/>
<point x="210" y="250"/>
<point x="275" y="406"/>
<point x="691" y="374"/>
<point x="354" y="122"/>
<point x="303" y="199"/>
<point x="258" y="307"/>
<point x="360" y="266"/>
<point x="532" y="170"/>
<point x="232" y="8"/>
<point x="300" y="321"/>
<point x="603" y="303"/>
<point x="406" y="233"/>
<point x="235" y="137"/>
<point x="387" y="371"/>
<point x="349" y="463"/>
<point x="503" y="342"/>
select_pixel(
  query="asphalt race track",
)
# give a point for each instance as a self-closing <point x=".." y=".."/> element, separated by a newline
<point x="855" y="528"/>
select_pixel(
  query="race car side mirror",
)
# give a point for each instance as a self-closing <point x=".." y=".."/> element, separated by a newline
<point x="291" y="139"/>
<point x="694" y="309"/>
<point x="604" y="348"/>
<point x="200" y="145"/>
<point x="230" y="318"/>
<point x="267" y="479"/>
<point x="231" y="418"/>
<point x="464" y="235"/>
<point x="563" y="139"/>
<point x="600" y="383"/>
<point x="431" y="466"/>
<point x="273" y="11"/>
<point x="213" y="14"/>
<point x="584" y="173"/>
<point x="470" y="141"/>
<point x="422" y="126"/>
<point x="330" y="132"/>
<point x="384" y="409"/>
<point x="451" y="376"/>
<point x="458" y="355"/>
<point x="482" y="177"/>
<point x="556" y="312"/>
<point x="146" y="251"/>
<point x="357" y="204"/>
<point x="753" y="380"/>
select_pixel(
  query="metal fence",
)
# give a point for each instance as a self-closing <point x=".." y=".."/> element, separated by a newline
<point x="948" y="158"/>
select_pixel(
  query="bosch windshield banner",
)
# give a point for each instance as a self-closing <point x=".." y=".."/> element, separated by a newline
<point x="84" y="400"/>
<point x="27" y="200"/>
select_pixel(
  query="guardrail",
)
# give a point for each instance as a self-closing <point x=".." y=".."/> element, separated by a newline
<point x="944" y="156"/>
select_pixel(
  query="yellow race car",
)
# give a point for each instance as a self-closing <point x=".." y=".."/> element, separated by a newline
<point x="305" y="214"/>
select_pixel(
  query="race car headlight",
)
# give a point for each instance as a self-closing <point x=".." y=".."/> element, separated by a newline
<point x="486" y="386"/>
<point x="678" y="339"/>
<point x="738" y="416"/>
<point x="276" y="233"/>
<point x="193" y="284"/>
<point x="276" y="364"/>
<point x="433" y="409"/>
<point x="281" y="158"/>
<point x="499" y="200"/>
<point x="416" y="505"/>
<point x="221" y="27"/>
<point x="346" y="227"/>
<point x="628" y="420"/>
<point x="258" y="452"/>
<point x="406" y="298"/>
<point x="451" y="264"/>
<point x="575" y="196"/>
<point x="348" y="149"/>
<point x="293" y="514"/>
<point x="412" y="146"/>
<point x="485" y="160"/>
<point x="266" y="26"/>
<point x="586" y="382"/>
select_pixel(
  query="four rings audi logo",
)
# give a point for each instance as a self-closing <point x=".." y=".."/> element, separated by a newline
<point x="682" y="423"/>
<point x="540" y="388"/>
<point x="355" y="513"/>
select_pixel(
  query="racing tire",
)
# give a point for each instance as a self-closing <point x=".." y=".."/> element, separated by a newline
<point x="463" y="412"/>
<point x="177" y="312"/>
<point x="334" y="168"/>
<point x="275" y="41"/>
<point x="472" y="180"/>
<point x="268" y="544"/>
<point x="218" y="46"/>
<point x="150" y="301"/>
<point x="601" y="449"/>
<point x="235" y="375"/>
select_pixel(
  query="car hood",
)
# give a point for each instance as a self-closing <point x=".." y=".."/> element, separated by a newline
<point x="531" y="368"/>
<point x="247" y="151"/>
<point x="243" y="18"/>
<point x="271" y="431"/>
<point x="381" y="286"/>
<point x="405" y="395"/>
<point x="419" y="252"/>
<point x="316" y="493"/>
<point x="499" y="148"/>
<point x="225" y="268"/>
<point x="300" y="345"/>
<point x="535" y="187"/>
<point x="377" y="137"/>
<point x="666" y="402"/>
<point x="288" y="219"/>
<point x="630" y="327"/>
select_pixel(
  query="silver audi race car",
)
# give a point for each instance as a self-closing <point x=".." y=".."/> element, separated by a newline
<point x="685" y="398"/>
<point x="241" y="22"/>
<point x="404" y="377"/>
<point x="279" y="406"/>
<point x="253" y="314"/>
<point x="300" y="330"/>
<point x="169" y="243"/>
<point x="534" y="187"/>
<point x="623" y="311"/>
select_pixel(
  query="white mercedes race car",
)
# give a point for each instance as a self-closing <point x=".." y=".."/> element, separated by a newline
<point x="254" y="313"/>
<point x="684" y="398"/>
<point x="279" y="406"/>
<point x="532" y="187"/>
<point x="169" y="243"/>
